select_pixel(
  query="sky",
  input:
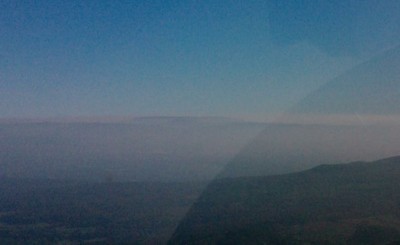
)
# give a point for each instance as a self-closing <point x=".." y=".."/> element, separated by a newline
<point x="243" y="59"/>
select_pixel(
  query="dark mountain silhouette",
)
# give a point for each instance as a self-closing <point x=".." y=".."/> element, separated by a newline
<point x="355" y="203"/>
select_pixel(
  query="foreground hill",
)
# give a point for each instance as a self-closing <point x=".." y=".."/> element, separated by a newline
<point x="355" y="203"/>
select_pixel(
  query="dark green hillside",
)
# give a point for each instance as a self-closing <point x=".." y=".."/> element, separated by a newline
<point x="355" y="203"/>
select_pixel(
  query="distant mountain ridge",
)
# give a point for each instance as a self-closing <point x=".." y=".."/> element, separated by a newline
<point x="354" y="203"/>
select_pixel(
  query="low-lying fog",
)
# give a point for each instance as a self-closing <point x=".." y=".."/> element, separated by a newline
<point x="183" y="149"/>
<point x="145" y="149"/>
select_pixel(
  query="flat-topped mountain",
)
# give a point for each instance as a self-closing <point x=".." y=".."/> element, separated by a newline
<point x="354" y="203"/>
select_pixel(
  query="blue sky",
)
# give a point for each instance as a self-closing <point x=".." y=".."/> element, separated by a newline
<point x="247" y="59"/>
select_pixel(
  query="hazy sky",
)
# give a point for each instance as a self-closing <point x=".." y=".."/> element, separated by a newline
<point x="249" y="59"/>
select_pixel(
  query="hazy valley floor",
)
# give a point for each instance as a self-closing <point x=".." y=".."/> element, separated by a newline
<point x="64" y="212"/>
